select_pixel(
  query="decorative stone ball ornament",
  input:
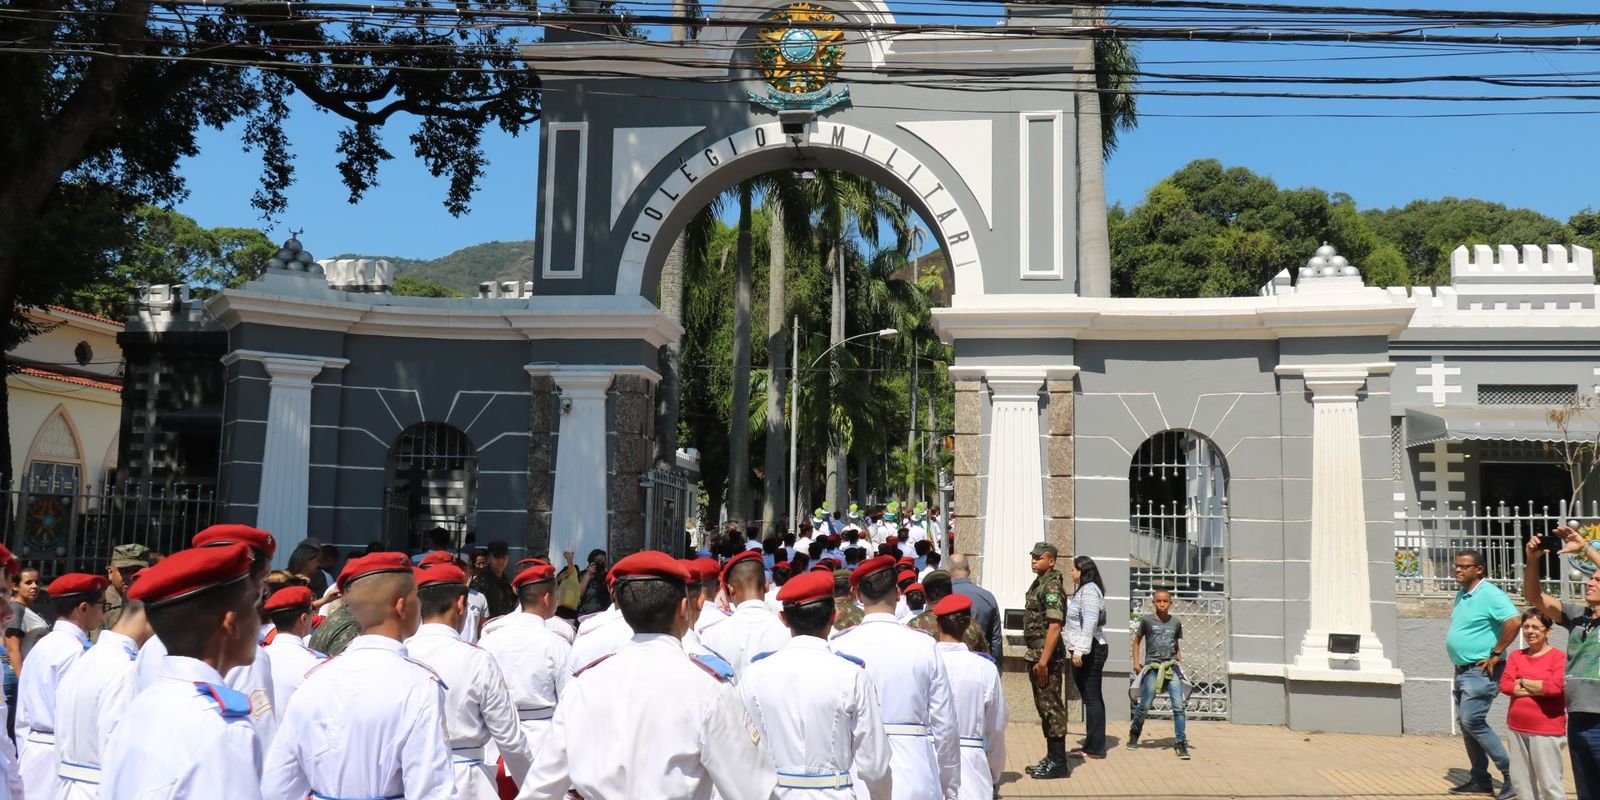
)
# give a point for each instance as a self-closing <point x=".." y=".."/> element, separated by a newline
<point x="1327" y="263"/>
<point x="294" y="257"/>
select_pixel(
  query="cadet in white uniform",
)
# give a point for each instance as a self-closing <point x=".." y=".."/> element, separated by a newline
<point x="189" y="735"/>
<point x="531" y="657"/>
<point x="752" y="628"/>
<point x="10" y="776"/>
<point x="599" y="635"/>
<point x="904" y="664"/>
<point x="980" y="700"/>
<point x="290" y="608"/>
<point x="649" y="722"/>
<point x="93" y="695"/>
<point x="369" y="723"/>
<point x="817" y="711"/>
<point x="478" y="706"/>
<point x="77" y="599"/>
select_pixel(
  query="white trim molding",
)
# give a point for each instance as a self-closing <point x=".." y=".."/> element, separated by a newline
<point x="1026" y="174"/>
<point x="552" y="136"/>
<point x="573" y="373"/>
<point x="268" y="359"/>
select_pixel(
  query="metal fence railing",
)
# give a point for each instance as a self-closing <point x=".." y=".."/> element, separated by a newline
<point x="62" y="528"/>
<point x="1426" y="543"/>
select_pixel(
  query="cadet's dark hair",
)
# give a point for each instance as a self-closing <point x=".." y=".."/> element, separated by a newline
<point x="528" y="594"/>
<point x="749" y="573"/>
<point x="799" y="563"/>
<point x="810" y="619"/>
<point x="954" y="625"/>
<point x="916" y="601"/>
<point x="63" y="606"/>
<point x="649" y="605"/>
<point x="499" y="549"/>
<point x="188" y="626"/>
<point x="937" y="586"/>
<point x="437" y="598"/>
<point x="285" y="618"/>
<point x="878" y="587"/>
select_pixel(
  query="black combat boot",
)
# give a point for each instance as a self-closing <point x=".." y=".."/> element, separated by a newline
<point x="1055" y="764"/>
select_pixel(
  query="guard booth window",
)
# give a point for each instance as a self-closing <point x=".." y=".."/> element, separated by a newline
<point x="432" y="483"/>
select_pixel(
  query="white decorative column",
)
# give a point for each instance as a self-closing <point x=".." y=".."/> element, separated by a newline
<point x="1341" y="592"/>
<point x="1013" y="498"/>
<point x="578" y="519"/>
<point x="282" y="502"/>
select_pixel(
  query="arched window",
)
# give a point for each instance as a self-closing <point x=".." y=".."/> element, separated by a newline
<point x="55" y="463"/>
<point x="432" y="483"/>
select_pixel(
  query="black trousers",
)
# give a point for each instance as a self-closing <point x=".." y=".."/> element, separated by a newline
<point x="1087" y="679"/>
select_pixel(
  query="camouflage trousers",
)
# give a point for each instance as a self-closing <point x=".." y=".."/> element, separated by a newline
<point x="1049" y="700"/>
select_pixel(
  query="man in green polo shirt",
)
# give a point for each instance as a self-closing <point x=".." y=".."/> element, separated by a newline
<point x="1482" y="625"/>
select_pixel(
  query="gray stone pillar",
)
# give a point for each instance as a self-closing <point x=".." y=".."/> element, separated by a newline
<point x="544" y="411"/>
<point x="631" y="439"/>
<point x="967" y="504"/>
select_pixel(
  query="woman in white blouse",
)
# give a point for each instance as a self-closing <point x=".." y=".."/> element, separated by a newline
<point x="1085" y="637"/>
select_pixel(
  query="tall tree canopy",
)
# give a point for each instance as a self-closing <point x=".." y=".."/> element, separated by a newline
<point x="103" y="98"/>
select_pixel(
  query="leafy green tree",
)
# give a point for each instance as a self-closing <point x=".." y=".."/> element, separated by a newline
<point x="169" y="247"/>
<point x="408" y="286"/>
<point x="1426" y="231"/>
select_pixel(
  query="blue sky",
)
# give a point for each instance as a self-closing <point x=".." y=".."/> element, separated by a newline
<point x="1547" y="163"/>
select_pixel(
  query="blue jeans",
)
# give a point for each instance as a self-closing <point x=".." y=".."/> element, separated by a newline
<point x="1147" y="694"/>
<point x="1583" y="742"/>
<point x="1474" y="693"/>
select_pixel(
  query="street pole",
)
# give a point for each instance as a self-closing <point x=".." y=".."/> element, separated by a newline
<point x="794" y="419"/>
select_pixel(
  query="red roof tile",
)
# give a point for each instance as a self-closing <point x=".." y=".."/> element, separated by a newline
<point x="75" y="313"/>
<point x="109" y="385"/>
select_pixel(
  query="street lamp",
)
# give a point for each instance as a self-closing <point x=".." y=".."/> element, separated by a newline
<point x="794" y="401"/>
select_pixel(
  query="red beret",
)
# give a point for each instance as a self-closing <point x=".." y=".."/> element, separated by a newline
<point x="289" y="597"/>
<point x="871" y="566"/>
<point x="9" y="561"/>
<point x="905" y="575"/>
<point x="705" y="570"/>
<point x="648" y="565"/>
<point x="954" y="604"/>
<point x="807" y="588"/>
<point x="436" y="557"/>
<point x="907" y="561"/>
<point x="891" y="540"/>
<point x="915" y="587"/>
<point x="77" y="583"/>
<point x="236" y="534"/>
<point x="531" y="562"/>
<point x="748" y="555"/>
<point x="534" y="574"/>
<point x="372" y="564"/>
<point x="435" y="574"/>
<point x="780" y="565"/>
<point x="187" y="573"/>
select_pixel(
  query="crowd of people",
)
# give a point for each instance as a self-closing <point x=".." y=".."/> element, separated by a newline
<point x="1554" y="695"/>
<point x="807" y="666"/>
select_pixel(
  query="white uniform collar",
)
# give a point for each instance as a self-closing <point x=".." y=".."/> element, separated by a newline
<point x="70" y="627"/>
<point x="807" y="643"/>
<point x="372" y="641"/>
<point x="437" y="629"/>
<point x="952" y="646"/>
<point x="880" y="616"/>
<point x="111" y="637"/>
<point x="183" y="668"/>
<point x="756" y="603"/>
<point x="656" y="641"/>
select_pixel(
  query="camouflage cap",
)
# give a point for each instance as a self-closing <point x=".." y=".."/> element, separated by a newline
<point x="130" y="555"/>
<point x="1040" y="548"/>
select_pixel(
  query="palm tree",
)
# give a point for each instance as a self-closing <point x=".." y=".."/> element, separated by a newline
<point x="786" y="205"/>
<point x="739" y="414"/>
<point x="671" y="356"/>
<point x="1104" y="109"/>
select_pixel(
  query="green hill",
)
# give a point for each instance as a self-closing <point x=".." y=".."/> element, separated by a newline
<point x="464" y="269"/>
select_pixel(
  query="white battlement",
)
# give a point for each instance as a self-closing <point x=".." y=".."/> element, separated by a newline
<point x="357" y="274"/>
<point x="512" y="290"/>
<point x="1528" y="264"/>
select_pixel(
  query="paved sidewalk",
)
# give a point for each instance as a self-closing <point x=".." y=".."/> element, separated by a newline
<point x="1247" y="761"/>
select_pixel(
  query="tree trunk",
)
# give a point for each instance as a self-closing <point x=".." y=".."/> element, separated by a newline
<point x="912" y="456"/>
<point x="671" y="297"/>
<point x="1094" y="242"/>
<point x="774" y="501"/>
<point x="838" y="473"/>
<point x="8" y="301"/>
<point x="739" y="412"/>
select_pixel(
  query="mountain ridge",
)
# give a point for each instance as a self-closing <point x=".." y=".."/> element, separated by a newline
<point x="464" y="269"/>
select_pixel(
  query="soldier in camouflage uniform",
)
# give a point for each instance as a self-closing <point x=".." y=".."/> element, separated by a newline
<point x="1046" y="611"/>
<point x="937" y="587"/>
<point x="126" y="561"/>
<point x="849" y="614"/>
<point x="335" y="632"/>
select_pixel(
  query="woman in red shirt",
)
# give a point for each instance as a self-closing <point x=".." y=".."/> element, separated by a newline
<point x="1534" y="677"/>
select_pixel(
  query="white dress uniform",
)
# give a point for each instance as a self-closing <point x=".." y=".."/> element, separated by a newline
<point x="367" y="724"/>
<point x="477" y="613"/>
<point x="10" y="775"/>
<point x="599" y="636"/>
<point x="818" y="714"/>
<point x="253" y="679"/>
<point x="556" y="625"/>
<point x="918" y="712"/>
<point x="772" y="599"/>
<point x="193" y="739"/>
<point x="980" y="718"/>
<point x="751" y="630"/>
<point x="36" y="705"/>
<point x="291" y="661"/>
<point x="710" y="614"/>
<point x="477" y="710"/>
<point x="534" y="663"/>
<point x="650" y="724"/>
<point x="92" y="696"/>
